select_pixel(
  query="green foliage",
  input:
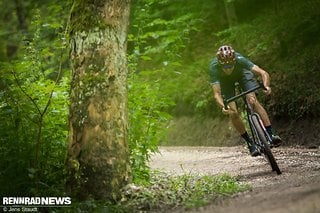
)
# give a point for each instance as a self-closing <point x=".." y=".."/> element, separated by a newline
<point x="158" y="36"/>
<point x="147" y="123"/>
<point x="169" y="42"/>
<point x="149" y="96"/>
<point x="289" y="51"/>
<point x="34" y="107"/>
<point x="279" y="37"/>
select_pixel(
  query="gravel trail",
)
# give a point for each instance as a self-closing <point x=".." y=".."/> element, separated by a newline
<point x="296" y="190"/>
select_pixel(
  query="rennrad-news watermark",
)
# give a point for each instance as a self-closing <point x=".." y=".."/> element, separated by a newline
<point x="32" y="204"/>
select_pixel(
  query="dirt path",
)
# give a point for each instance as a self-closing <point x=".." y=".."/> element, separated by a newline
<point x="297" y="190"/>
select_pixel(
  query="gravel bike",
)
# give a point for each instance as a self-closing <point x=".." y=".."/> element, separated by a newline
<point x="260" y="137"/>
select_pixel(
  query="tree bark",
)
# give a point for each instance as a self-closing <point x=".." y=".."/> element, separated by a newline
<point x="98" y="157"/>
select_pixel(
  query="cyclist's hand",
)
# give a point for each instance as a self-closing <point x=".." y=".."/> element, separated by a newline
<point x="228" y="110"/>
<point x="267" y="90"/>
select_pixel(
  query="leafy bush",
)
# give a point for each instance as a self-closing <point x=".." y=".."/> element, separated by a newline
<point x="150" y="98"/>
<point x="147" y="124"/>
<point x="34" y="107"/>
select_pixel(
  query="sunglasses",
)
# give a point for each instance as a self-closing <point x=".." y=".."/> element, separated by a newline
<point x="227" y="66"/>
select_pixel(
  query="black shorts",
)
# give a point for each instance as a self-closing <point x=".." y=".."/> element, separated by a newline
<point x="246" y="81"/>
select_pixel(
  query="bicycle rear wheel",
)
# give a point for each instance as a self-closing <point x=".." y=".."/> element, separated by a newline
<point x="266" y="148"/>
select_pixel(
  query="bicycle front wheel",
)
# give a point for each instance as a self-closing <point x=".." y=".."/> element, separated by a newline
<point x="266" y="148"/>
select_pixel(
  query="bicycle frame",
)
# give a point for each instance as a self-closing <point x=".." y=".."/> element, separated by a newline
<point x="251" y="113"/>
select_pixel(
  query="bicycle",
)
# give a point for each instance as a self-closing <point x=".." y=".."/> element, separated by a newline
<point x="260" y="137"/>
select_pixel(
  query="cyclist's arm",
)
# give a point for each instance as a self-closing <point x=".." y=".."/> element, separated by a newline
<point x="217" y="94"/>
<point x="265" y="77"/>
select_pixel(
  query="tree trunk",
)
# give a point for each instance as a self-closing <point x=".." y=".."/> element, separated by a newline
<point x="98" y="157"/>
<point x="233" y="21"/>
<point x="231" y="13"/>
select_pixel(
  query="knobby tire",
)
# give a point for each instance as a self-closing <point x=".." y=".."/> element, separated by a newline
<point x="267" y="150"/>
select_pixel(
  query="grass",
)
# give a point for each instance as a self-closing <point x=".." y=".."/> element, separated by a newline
<point x="167" y="192"/>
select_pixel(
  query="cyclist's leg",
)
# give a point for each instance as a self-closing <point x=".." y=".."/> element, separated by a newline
<point x="236" y="120"/>
<point x="228" y="91"/>
<point x="258" y="108"/>
<point x="248" y="82"/>
<point x="240" y="127"/>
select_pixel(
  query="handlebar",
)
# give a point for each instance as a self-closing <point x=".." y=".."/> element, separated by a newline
<point x="227" y="101"/>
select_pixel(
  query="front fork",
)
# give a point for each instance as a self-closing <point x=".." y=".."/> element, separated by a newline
<point x="256" y="139"/>
<point x="250" y="114"/>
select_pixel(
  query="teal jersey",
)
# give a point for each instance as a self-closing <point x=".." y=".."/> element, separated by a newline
<point x="242" y="74"/>
<point x="243" y="66"/>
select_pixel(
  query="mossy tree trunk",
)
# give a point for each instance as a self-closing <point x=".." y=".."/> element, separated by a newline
<point x="98" y="157"/>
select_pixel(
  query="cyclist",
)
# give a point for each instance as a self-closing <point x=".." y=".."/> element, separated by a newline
<point x="230" y="67"/>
